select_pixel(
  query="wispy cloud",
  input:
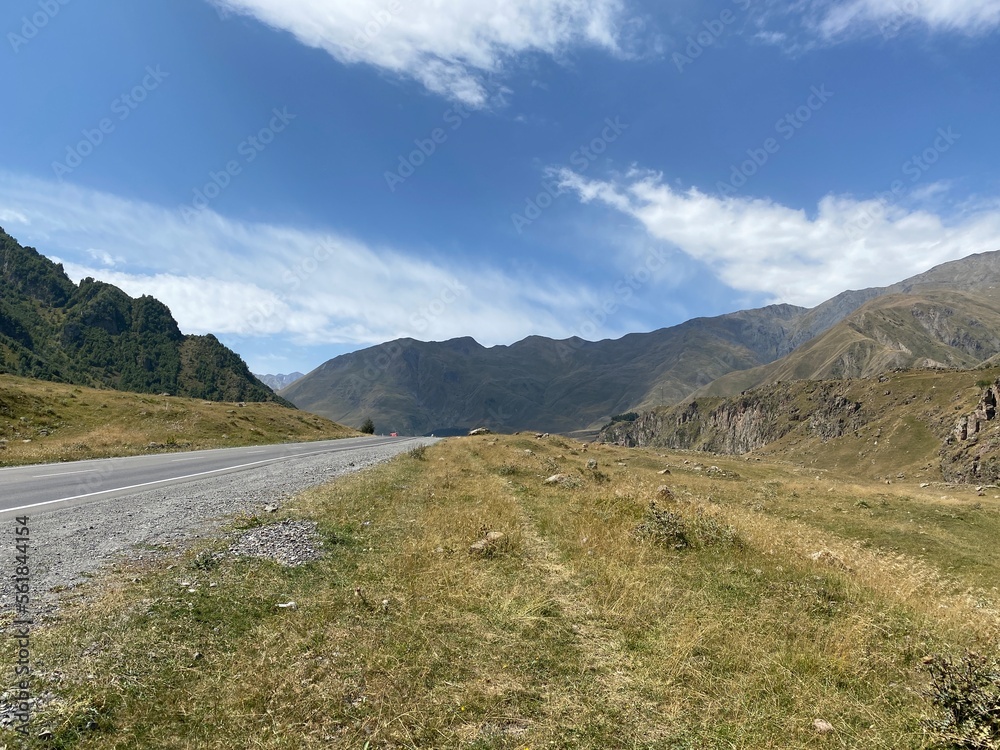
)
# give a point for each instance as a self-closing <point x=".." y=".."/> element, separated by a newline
<point x="971" y="17"/>
<point x="823" y="22"/>
<point x="763" y="247"/>
<point x="450" y="46"/>
<point x="251" y="279"/>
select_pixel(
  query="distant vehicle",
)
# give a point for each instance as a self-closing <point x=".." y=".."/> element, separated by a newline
<point x="393" y="434"/>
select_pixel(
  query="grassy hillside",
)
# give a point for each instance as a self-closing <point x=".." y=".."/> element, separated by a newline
<point x="736" y="610"/>
<point x="930" y="329"/>
<point x="42" y="421"/>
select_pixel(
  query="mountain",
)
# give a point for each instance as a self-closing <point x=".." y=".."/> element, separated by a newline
<point x="540" y="383"/>
<point x="933" y="328"/>
<point x="277" y="382"/>
<point x="943" y="317"/>
<point x="96" y="335"/>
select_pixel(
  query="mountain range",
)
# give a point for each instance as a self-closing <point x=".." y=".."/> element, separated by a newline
<point x="948" y="317"/>
<point x="94" y="334"/>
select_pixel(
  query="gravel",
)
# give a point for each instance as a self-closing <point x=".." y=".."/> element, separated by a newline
<point x="72" y="543"/>
<point x="290" y="543"/>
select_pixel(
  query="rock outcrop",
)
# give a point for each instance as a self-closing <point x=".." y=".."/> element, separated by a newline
<point x="746" y="423"/>
<point x="970" y="453"/>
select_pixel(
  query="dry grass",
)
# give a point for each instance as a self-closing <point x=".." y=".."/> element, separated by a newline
<point x="575" y="632"/>
<point x="42" y="422"/>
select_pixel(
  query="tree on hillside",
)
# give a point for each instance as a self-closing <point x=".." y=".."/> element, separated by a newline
<point x="368" y="427"/>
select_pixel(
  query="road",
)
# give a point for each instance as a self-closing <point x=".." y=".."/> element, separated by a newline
<point x="46" y="487"/>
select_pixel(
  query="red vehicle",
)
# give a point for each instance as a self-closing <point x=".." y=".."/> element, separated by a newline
<point x="393" y="434"/>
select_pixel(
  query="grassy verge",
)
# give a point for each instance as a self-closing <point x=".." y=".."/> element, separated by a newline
<point x="42" y="421"/>
<point x="732" y="611"/>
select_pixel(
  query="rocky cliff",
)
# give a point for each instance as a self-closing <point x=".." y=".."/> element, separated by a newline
<point x="746" y="423"/>
<point x="943" y="424"/>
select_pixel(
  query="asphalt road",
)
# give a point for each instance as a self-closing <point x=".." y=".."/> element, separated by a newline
<point x="42" y="487"/>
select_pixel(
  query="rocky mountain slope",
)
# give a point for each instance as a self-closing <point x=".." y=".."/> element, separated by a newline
<point x="944" y="317"/>
<point x="940" y="424"/>
<point x="94" y="334"/>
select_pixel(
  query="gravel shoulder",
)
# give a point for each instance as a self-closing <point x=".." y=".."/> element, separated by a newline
<point x="70" y="544"/>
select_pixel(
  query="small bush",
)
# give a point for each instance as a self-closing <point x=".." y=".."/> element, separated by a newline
<point x="419" y="453"/>
<point x="681" y="531"/>
<point x="368" y="427"/>
<point x="665" y="527"/>
<point x="966" y="692"/>
<point x="206" y="561"/>
<point x="507" y="470"/>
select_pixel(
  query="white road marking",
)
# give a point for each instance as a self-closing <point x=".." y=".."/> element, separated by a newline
<point x="186" y="476"/>
<point x="63" y="473"/>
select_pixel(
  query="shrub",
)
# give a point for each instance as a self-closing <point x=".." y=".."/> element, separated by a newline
<point x="966" y="692"/>
<point x="368" y="427"/>
<point x="682" y="531"/>
<point x="419" y="453"/>
<point x="629" y="416"/>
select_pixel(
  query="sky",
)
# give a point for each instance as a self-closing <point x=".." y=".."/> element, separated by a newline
<point x="305" y="178"/>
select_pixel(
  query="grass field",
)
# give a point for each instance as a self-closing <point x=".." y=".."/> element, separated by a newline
<point x="42" y="421"/>
<point x="743" y="605"/>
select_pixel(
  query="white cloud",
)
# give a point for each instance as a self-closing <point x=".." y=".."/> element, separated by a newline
<point x="7" y="216"/>
<point x="250" y="279"/>
<point x="763" y="247"/>
<point x="823" y="22"/>
<point x="450" y="46"/>
<point x="972" y="17"/>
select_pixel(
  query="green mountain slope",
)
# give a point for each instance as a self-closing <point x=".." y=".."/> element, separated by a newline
<point x="94" y="334"/>
<point x="941" y="329"/>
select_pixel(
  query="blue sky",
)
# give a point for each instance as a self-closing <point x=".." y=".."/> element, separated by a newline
<point x="305" y="178"/>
